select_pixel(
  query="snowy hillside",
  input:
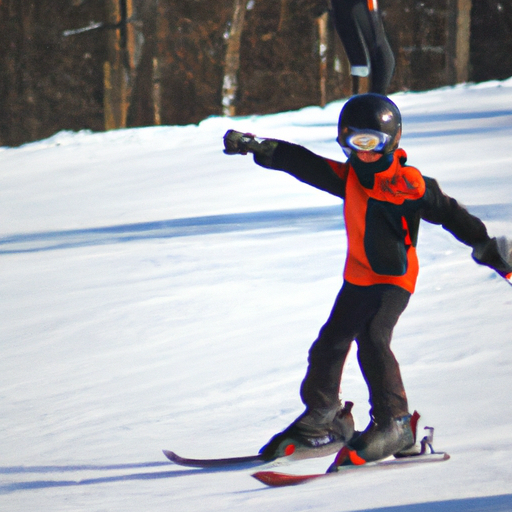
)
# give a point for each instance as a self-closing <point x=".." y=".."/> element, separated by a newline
<point x="157" y="293"/>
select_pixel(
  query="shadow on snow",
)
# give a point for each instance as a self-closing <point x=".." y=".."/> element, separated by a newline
<point x="315" y="218"/>
<point x="500" y="503"/>
<point x="321" y="218"/>
<point x="29" y="485"/>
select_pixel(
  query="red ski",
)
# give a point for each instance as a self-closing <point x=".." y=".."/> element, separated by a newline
<point x="277" y="479"/>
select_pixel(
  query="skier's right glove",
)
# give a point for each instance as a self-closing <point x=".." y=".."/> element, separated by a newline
<point x="496" y="253"/>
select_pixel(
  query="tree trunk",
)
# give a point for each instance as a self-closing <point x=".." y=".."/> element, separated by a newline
<point x="322" y="50"/>
<point x="157" y="92"/>
<point x="458" y="39"/>
<point x="119" y="70"/>
<point x="232" y="62"/>
<point x="282" y="15"/>
<point x="160" y="29"/>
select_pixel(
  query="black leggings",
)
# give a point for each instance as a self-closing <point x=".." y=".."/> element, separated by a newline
<point x="366" y="314"/>
<point x="362" y="34"/>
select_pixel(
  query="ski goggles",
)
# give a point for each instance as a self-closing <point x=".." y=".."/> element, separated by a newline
<point x="364" y="140"/>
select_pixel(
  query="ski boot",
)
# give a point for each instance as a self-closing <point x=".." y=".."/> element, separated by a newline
<point x="315" y="433"/>
<point x="395" y="437"/>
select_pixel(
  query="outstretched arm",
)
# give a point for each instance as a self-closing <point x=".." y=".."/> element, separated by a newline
<point x="296" y="160"/>
<point x="439" y="208"/>
<point x="496" y="254"/>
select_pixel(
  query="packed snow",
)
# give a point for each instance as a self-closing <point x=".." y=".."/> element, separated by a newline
<point x="158" y="294"/>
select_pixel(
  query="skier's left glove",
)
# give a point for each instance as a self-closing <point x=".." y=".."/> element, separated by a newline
<point x="238" y="143"/>
<point x="495" y="253"/>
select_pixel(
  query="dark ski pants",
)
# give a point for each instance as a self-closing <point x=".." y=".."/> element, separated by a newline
<point x="362" y="34"/>
<point x="366" y="314"/>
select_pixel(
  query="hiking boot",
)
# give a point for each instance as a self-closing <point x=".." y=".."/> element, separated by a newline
<point x="315" y="433"/>
<point x="378" y="441"/>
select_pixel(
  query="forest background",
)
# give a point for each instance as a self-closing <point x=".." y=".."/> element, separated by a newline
<point x="62" y="61"/>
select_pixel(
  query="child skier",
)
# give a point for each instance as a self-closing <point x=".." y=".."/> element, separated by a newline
<point x="384" y="200"/>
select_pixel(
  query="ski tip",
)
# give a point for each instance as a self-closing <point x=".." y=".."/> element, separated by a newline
<point x="250" y="460"/>
<point x="275" y="479"/>
<point x="270" y="478"/>
<point x="170" y="455"/>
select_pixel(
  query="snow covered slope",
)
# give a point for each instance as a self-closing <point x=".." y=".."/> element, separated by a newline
<point x="157" y="293"/>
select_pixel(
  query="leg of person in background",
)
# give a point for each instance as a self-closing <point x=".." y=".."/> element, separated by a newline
<point x="360" y="28"/>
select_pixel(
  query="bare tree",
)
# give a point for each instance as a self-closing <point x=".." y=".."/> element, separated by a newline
<point x="322" y="50"/>
<point x="123" y="55"/>
<point x="457" y="41"/>
<point x="232" y="62"/>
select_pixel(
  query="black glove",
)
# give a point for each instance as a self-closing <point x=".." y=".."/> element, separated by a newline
<point x="238" y="143"/>
<point x="496" y="253"/>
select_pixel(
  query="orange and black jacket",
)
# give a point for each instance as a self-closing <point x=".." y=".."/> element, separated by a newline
<point x="383" y="205"/>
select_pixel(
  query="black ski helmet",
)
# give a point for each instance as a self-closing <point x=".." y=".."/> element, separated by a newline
<point x="370" y="122"/>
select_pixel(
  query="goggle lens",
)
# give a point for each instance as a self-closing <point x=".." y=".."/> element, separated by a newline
<point x="365" y="140"/>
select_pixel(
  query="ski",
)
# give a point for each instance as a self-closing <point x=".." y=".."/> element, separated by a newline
<point x="277" y="479"/>
<point x="292" y="453"/>
<point x="247" y="460"/>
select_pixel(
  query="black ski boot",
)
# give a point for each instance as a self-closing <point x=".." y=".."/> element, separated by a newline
<point x="396" y="436"/>
<point x="315" y="433"/>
